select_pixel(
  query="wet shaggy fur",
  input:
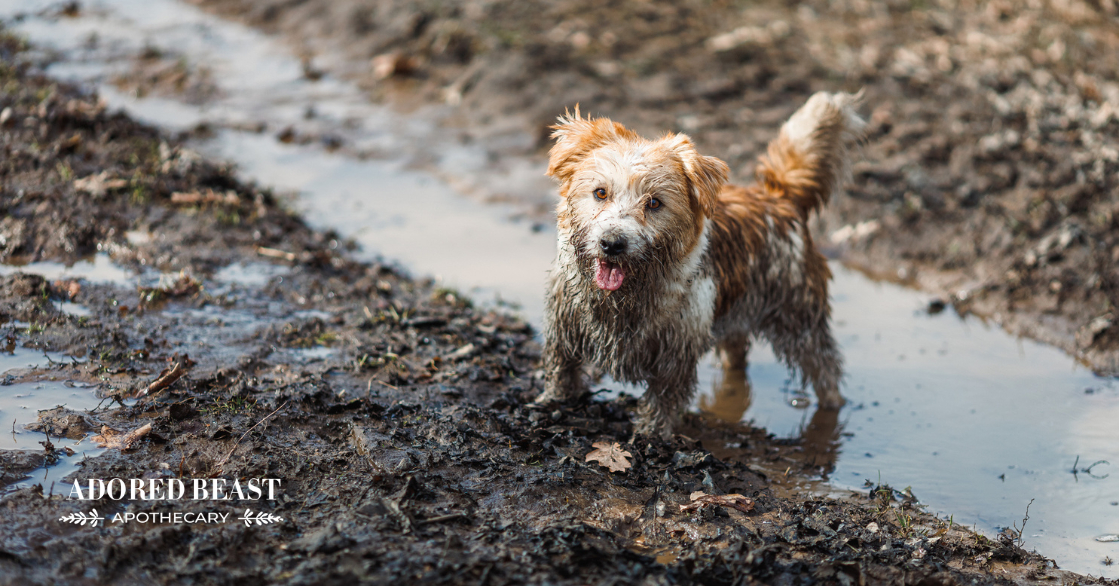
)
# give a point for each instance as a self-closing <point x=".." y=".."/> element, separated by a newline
<point x="704" y="263"/>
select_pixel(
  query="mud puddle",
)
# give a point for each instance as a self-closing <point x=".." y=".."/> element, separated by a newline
<point x="20" y="404"/>
<point x="976" y="422"/>
<point x="98" y="269"/>
<point x="20" y="359"/>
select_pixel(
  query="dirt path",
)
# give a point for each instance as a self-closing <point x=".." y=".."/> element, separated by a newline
<point x="395" y="416"/>
<point x="992" y="159"/>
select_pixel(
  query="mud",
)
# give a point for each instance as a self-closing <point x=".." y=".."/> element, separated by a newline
<point x="991" y="162"/>
<point x="409" y="451"/>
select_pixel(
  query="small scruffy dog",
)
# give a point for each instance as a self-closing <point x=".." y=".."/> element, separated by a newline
<point x="659" y="259"/>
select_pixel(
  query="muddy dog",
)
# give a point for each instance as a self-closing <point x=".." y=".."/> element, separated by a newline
<point x="659" y="259"/>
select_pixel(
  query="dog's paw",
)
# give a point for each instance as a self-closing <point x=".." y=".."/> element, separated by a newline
<point x="653" y="429"/>
<point x="547" y="397"/>
<point x="830" y="400"/>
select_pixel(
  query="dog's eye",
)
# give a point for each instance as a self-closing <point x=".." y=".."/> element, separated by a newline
<point x="653" y="204"/>
<point x="600" y="193"/>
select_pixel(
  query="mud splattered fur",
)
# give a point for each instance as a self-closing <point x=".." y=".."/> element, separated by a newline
<point x="659" y="259"/>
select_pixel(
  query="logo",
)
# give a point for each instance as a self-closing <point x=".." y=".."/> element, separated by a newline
<point x="174" y="489"/>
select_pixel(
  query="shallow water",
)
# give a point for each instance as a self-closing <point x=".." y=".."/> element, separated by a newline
<point x="97" y="269"/>
<point x="978" y="423"/>
<point x="20" y="358"/>
<point x="20" y="405"/>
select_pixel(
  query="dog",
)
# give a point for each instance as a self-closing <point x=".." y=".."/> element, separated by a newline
<point x="659" y="259"/>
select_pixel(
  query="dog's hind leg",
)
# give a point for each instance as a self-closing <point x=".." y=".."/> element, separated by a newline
<point x="812" y="349"/>
<point x="823" y="367"/>
<point x="732" y="352"/>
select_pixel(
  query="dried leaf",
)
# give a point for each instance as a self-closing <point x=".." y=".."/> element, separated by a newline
<point x="98" y="185"/>
<point x="611" y="456"/>
<point x="110" y="438"/>
<point x="735" y="501"/>
<point x="67" y="289"/>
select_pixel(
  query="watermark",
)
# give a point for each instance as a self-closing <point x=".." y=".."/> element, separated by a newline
<point x="174" y="489"/>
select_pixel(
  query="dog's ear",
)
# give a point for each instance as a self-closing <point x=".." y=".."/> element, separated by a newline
<point x="706" y="175"/>
<point x="576" y="137"/>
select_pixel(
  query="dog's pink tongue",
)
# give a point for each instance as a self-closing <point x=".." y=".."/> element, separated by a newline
<point x="608" y="275"/>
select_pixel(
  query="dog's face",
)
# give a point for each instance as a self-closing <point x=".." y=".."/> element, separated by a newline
<point x="636" y="208"/>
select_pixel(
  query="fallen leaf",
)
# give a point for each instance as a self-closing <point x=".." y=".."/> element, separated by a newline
<point x="68" y="289"/>
<point x="735" y="501"/>
<point x="390" y="64"/>
<point x="98" y="185"/>
<point x="111" y="438"/>
<point x="610" y="456"/>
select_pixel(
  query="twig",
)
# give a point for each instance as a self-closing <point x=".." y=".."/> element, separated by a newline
<point x="273" y="253"/>
<point x="266" y="417"/>
<point x="439" y="518"/>
<point x="1024" y="519"/>
<point x="166" y="379"/>
<point x="228" y="198"/>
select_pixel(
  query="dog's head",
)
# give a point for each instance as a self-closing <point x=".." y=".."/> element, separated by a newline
<point x="634" y="206"/>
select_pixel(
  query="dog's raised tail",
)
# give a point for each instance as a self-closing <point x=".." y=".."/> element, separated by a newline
<point x="808" y="160"/>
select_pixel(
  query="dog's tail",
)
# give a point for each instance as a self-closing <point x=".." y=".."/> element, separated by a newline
<point x="808" y="160"/>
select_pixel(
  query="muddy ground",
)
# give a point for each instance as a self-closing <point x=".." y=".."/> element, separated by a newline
<point x="396" y="415"/>
<point x="991" y="165"/>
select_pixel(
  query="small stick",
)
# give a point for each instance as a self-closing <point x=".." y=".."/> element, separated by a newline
<point x="273" y="253"/>
<point x="226" y="458"/>
<point x="166" y="379"/>
<point x="439" y="518"/>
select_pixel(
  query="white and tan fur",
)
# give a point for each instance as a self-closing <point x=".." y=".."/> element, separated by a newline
<point x="659" y="259"/>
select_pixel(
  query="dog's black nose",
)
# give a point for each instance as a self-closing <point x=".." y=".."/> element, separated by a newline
<point x="613" y="245"/>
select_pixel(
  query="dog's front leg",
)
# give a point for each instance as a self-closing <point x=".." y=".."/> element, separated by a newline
<point x="665" y="399"/>
<point x="563" y="375"/>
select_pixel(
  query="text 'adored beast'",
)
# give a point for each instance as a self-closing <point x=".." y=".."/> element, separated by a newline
<point x="173" y="489"/>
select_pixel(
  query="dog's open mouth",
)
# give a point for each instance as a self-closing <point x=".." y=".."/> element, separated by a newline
<point x="608" y="275"/>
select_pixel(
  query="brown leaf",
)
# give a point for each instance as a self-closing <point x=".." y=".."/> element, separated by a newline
<point x="111" y="438"/>
<point x="67" y="289"/>
<point x="98" y="185"/>
<point x="735" y="501"/>
<point x="610" y="456"/>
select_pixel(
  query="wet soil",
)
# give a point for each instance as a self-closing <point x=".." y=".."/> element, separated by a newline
<point x="396" y="415"/>
<point x="991" y="165"/>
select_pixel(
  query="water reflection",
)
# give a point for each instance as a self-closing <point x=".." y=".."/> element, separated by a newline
<point x="731" y="397"/>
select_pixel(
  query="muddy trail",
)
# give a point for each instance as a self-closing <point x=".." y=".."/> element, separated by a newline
<point x="991" y="162"/>
<point x="240" y="344"/>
